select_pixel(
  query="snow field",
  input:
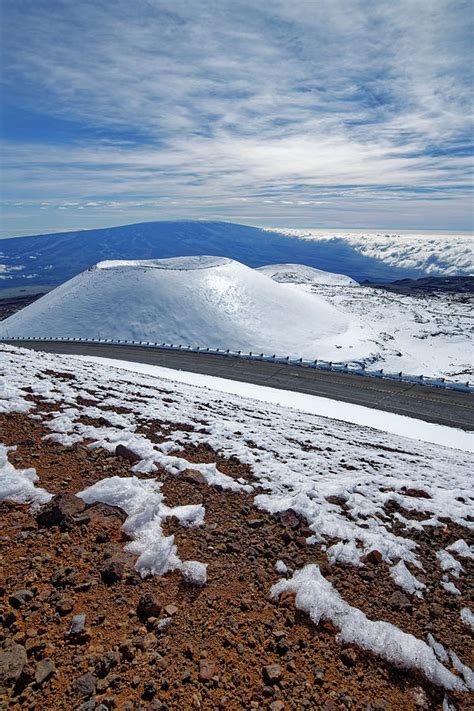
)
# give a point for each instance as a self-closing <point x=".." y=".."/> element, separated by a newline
<point x="428" y="335"/>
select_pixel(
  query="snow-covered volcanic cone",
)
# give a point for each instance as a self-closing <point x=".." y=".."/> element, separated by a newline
<point x="302" y="274"/>
<point x="206" y="301"/>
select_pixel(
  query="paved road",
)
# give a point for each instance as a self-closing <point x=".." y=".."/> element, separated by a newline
<point x="444" y="407"/>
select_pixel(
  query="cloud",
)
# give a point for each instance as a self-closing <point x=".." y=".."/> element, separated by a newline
<point x="339" y="100"/>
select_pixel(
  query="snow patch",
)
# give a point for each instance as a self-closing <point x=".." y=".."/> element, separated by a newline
<point x="462" y="548"/>
<point x="467" y="617"/>
<point x="450" y="587"/>
<point x="402" y="577"/>
<point x="448" y="563"/>
<point x="19" y="484"/>
<point x="281" y="567"/>
<point x="316" y="596"/>
<point x="142" y="500"/>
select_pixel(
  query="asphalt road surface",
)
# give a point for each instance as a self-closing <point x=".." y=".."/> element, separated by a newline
<point x="444" y="407"/>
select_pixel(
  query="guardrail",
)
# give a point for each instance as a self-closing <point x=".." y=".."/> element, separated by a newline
<point x="339" y="367"/>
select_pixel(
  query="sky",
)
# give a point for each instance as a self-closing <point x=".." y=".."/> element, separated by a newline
<point x="309" y="113"/>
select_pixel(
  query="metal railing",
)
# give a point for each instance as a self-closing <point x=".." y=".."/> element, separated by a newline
<point x="354" y="369"/>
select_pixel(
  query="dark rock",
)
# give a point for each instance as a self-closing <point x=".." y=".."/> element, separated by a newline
<point x="255" y="522"/>
<point x="148" y="606"/>
<point x="107" y="703"/>
<point x="118" y="565"/>
<point x="233" y="547"/>
<point x="61" y="507"/>
<point x="64" y="605"/>
<point x="338" y="500"/>
<point x="112" y="571"/>
<point x="290" y="518"/>
<point x="87" y="706"/>
<point x="287" y="599"/>
<point x="277" y="705"/>
<point x="106" y="662"/>
<point x="319" y="676"/>
<point x="126" y="453"/>
<point x="436" y="610"/>
<point x="127" y="650"/>
<point x="193" y="477"/>
<point x="20" y="597"/>
<point x="12" y="662"/>
<point x="399" y="601"/>
<point x="348" y="657"/>
<point x="207" y="669"/>
<point x="272" y="673"/>
<point x="64" y="577"/>
<point x="375" y="557"/>
<point x="325" y="567"/>
<point x="417" y="493"/>
<point x="84" y="685"/>
<point x="105" y="520"/>
<point x="282" y="646"/>
<point x="44" y="669"/>
<point x="245" y="604"/>
<point x="149" y="690"/>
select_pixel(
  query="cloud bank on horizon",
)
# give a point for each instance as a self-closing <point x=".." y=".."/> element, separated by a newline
<point x="328" y="113"/>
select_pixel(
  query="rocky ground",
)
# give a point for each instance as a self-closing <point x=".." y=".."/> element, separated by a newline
<point x="428" y="285"/>
<point x="10" y="305"/>
<point x="81" y="630"/>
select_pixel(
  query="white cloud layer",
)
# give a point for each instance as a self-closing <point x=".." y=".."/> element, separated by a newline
<point x="348" y="111"/>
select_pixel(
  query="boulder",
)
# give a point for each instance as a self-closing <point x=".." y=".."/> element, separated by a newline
<point x="148" y="606"/>
<point x="13" y="659"/>
<point x="61" y="507"/>
<point x="122" y="451"/>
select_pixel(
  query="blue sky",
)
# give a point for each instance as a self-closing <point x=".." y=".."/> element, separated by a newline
<point x="309" y="113"/>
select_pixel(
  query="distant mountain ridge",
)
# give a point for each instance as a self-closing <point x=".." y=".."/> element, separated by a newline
<point x="54" y="258"/>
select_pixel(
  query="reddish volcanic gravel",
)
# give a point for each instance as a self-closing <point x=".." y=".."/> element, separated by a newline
<point x="82" y="630"/>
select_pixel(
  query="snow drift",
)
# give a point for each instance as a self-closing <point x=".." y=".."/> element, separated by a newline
<point x="302" y="274"/>
<point x="200" y="301"/>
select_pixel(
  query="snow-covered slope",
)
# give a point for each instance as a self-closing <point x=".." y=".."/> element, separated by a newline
<point x="418" y="333"/>
<point x="206" y="301"/>
<point x="302" y="274"/>
<point x="368" y="515"/>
